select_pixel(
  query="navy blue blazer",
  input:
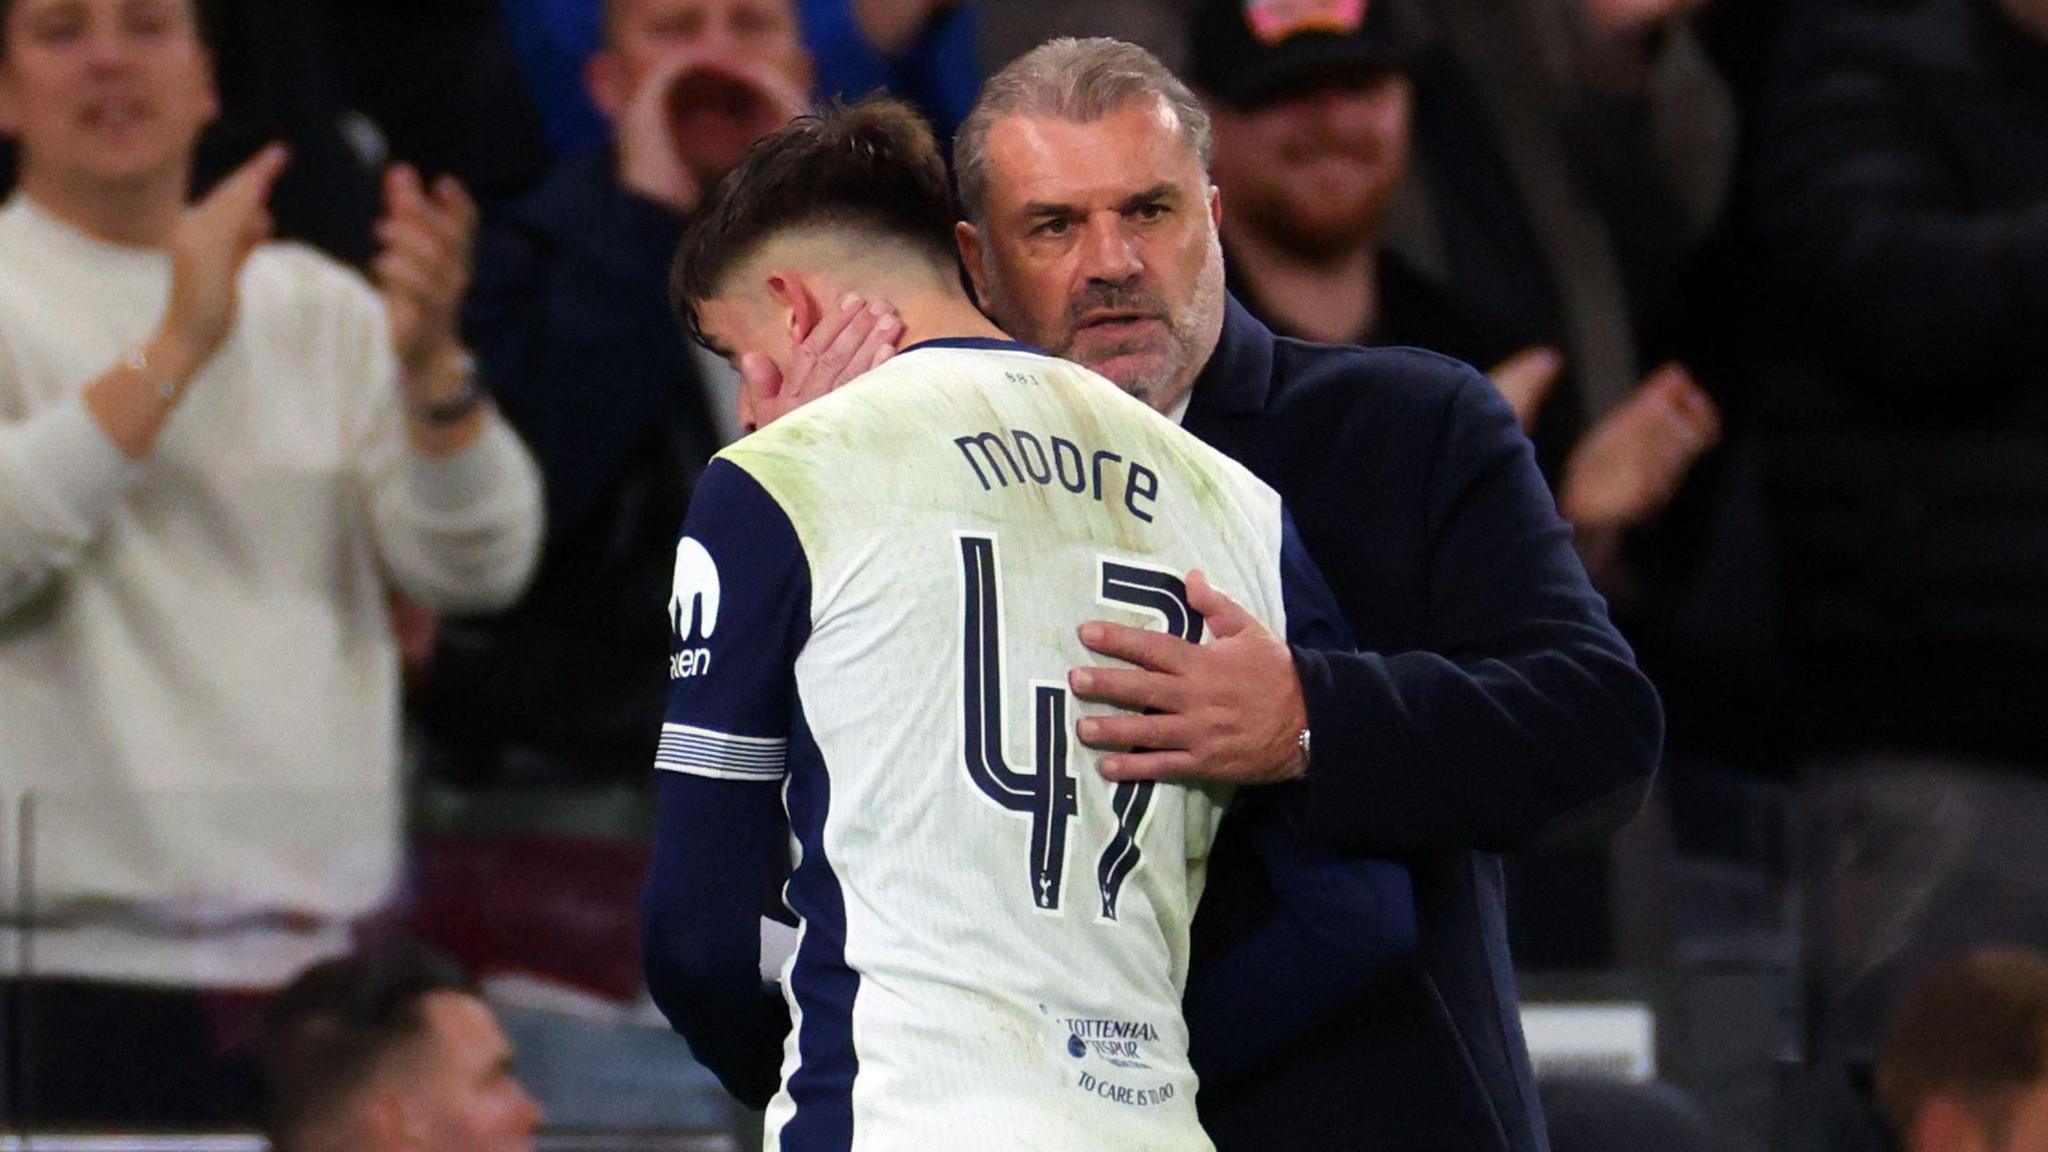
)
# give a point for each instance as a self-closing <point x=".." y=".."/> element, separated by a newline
<point x="1492" y="707"/>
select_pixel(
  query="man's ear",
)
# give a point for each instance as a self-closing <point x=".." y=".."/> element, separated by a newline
<point x="1216" y="208"/>
<point x="800" y="309"/>
<point x="386" y="1120"/>
<point x="968" y="239"/>
<point x="605" y="78"/>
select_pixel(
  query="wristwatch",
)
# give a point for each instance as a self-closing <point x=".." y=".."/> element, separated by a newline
<point x="458" y="407"/>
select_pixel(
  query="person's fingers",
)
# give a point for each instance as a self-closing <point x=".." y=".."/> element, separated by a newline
<point x="261" y="173"/>
<point x="455" y="204"/>
<point x="396" y="273"/>
<point x="1160" y="732"/>
<point x="811" y="347"/>
<point x="1136" y="767"/>
<point x="451" y="222"/>
<point x="432" y="278"/>
<point x="414" y="238"/>
<point x="403" y="194"/>
<point x="247" y="189"/>
<point x="1132" y="688"/>
<point x="1225" y="617"/>
<point x="1154" y="650"/>
<point x="1700" y="410"/>
<point x="878" y="347"/>
<point x="1667" y="383"/>
<point x="884" y="350"/>
<point x="257" y="227"/>
<point x="837" y="363"/>
<point x="1526" y="379"/>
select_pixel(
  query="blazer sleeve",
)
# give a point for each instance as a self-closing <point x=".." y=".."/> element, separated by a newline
<point x="1522" y="721"/>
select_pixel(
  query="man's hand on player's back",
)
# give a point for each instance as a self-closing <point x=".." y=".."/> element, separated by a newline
<point x="1230" y="710"/>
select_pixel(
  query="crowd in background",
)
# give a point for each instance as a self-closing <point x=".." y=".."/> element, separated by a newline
<point x="1767" y="285"/>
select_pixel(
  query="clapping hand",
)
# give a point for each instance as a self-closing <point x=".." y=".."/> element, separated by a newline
<point x="208" y="248"/>
<point x="422" y="268"/>
<point x="1628" y="467"/>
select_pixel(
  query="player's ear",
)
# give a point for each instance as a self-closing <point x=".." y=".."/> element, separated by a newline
<point x="968" y="239"/>
<point x="800" y="310"/>
<point x="1216" y="208"/>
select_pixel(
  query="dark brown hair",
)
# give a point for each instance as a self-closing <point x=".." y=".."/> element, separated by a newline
<point x="331" y="1029"/>
<point x="873" y="166"/>
<point x="1976" y="1029"/>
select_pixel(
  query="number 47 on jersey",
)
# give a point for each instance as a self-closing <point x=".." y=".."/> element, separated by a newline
<point x="1046" y="792"/>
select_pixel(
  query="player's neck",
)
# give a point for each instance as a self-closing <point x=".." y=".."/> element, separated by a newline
<point x="942" y="316"/>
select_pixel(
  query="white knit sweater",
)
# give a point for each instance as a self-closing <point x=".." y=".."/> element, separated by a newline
<point x="198" y="681"/>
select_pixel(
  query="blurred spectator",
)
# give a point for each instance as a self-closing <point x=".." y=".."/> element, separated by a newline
<point x="921" y="50"/>
<point x="389" y="1051"/>
<point x="570" y="319"/>
<point x="1902" y="203"/>
<point x="1313" y="124"/>
<point x="1326" y="109"/>
<point x="1568" y="157"/>
<point x="213" y="455"/>
<point x="1963" y="1068"/>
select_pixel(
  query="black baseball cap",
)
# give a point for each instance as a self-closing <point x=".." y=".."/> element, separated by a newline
<point x="1246" y="52"/>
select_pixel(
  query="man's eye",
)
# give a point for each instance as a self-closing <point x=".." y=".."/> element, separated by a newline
<point x="1151" y="213"/>
<point x="1053" y="227"/>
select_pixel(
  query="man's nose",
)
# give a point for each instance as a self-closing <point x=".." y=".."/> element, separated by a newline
<point x="720" y="41"/>
<point x="107" y="50"/>
<point x="1109" y="254"/>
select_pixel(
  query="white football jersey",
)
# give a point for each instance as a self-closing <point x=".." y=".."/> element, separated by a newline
<point x="876" y="609"/>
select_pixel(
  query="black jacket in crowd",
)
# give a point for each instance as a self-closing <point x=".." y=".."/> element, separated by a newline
<point x="1901" y="203"/>
<point x="1492" y="707"/>
<point x="570" y="323"/>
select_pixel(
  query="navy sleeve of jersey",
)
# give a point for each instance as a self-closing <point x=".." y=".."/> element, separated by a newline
<point x="716" y="843"/>
<point x="738" y="615"/>
<point x="1313" y="618"/>
<point x="1335" y="925"/>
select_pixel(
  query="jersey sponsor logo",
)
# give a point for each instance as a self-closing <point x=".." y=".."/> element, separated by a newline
<point x="1113" y="1058"/>
<point x="692" y="610"/>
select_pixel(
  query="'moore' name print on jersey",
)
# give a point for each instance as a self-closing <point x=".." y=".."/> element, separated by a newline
<point x="1055" y="462"/>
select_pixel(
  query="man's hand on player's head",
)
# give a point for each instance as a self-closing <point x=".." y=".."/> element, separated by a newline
<point x="855" y="337"/>
<point x="1230" y="711"/>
